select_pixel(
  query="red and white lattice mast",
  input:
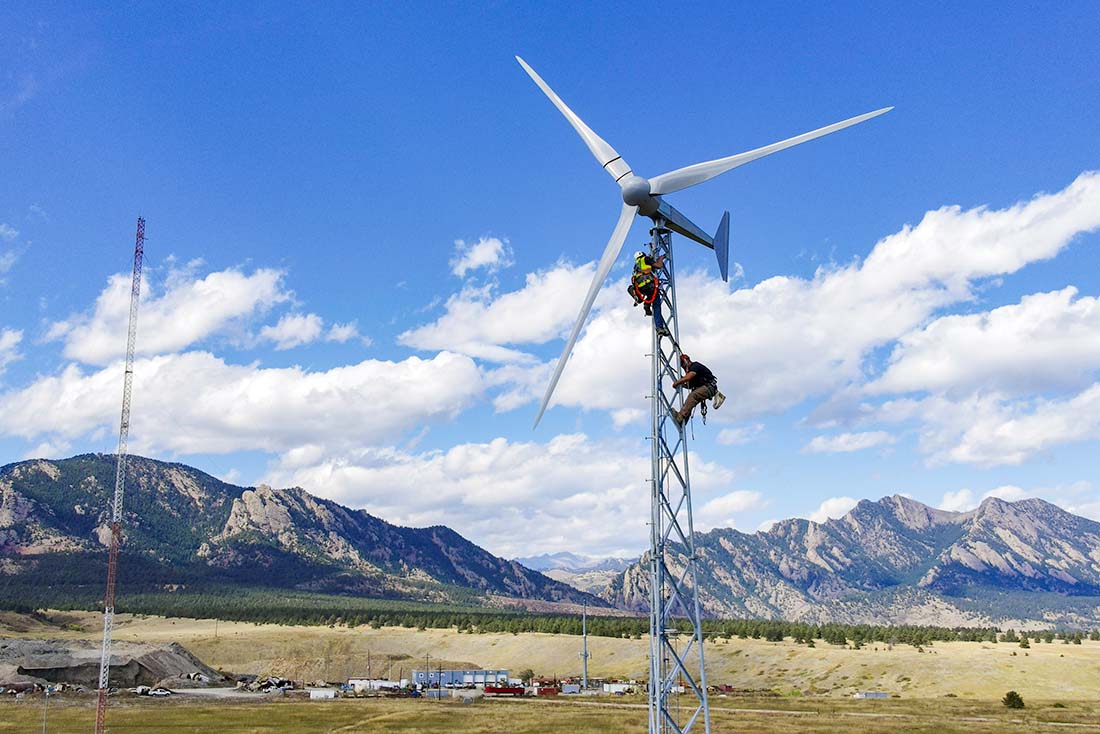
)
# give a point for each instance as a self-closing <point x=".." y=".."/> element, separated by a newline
<point x="120" y="483"/>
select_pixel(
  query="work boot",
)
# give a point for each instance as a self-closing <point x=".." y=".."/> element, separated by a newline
<point x="663" y="331"/>
<point x="648" y="310"/>
<point x="677" y="419"/>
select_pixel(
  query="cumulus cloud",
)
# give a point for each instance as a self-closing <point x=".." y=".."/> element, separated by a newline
<point x="785" y="339"/>
<point x="833" y="508"/>
<point x="9" y="347"/>
<point x="481" y="324"/>
<point x="959" y="501"/>
<point x="965" y="500"/>
<point x="197" y="403"/>
<point x="48" y="450"/>
<point x="8" y="234"/>
<point x="1078" y="498"/>
<point x="848" y="442"/>
<point x="739" y="434"/>
<point x="991" y="429"/>
<point x="343" y="333"/>
<point x="293" y="330"/>
<point x="186" y="312"/>
<point x="513" y="497"/>
<point x="721" y="512"/>
<point x="490" y="253"/>
<point x="1046" y="341"/>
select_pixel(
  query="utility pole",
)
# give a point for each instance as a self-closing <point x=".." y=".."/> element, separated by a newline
<point x="120" y="483"/>
<point x="584" y="646"/>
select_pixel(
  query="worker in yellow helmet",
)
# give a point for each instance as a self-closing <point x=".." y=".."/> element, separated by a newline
<point x="645" y="288"/>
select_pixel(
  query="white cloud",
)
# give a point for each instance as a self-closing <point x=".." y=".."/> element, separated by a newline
<point x="1078" y="498"/>
<point x="9" y="347"/>
<point x="1007" y="492"/>
<point x="481" y="325"/>
<point x="785" y="339"/>
<point x="514" y="498"/>
<point x="8" y="233"/>
<point x="848" y="442"/>
<point x="196" y="403"/>
<point x="960" y="501"/>
<point x="48" y="450"/>
<point x="343" y="333"/>
<point x="992" y="429"/>
<point x="833" y="508"/>
<point x="720" y="512"/>
<point x="965" y="500"/>
<point x="188" y="311"/>
<point x="740" y="434"/>
<point x="293" y="330"/>
<point x="488" y="252"/>
<point x="766" y="526"/>
<point x="1047" y="341"/>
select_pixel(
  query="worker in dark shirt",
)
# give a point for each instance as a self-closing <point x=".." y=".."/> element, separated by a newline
<point x="703" y="384"/>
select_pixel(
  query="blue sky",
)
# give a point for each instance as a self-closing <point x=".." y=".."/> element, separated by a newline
<point x="368" y="232"/>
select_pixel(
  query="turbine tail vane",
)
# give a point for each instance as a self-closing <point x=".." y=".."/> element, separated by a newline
<point x="610" y="253"/>
<point x="605" y="155"/>
<point x="682" y="178"/>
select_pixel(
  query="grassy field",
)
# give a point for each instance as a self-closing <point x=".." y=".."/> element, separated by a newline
<point x="536" y="717"/>
<point x="969" y="670"/>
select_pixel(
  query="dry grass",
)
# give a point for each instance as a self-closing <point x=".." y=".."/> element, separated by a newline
<point x="976" y="671"/>
<point x="536" y="717"/>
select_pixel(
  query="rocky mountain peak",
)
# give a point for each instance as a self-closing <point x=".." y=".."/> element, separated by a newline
<point x="183" y="523"/>
<point x="898" y="560"/>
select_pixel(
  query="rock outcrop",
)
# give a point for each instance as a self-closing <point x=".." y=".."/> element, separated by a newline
<point x="899" y="561"/>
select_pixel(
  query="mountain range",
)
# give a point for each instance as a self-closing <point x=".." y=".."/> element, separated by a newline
<point x="587" y="573"/>
<point x="900" y="561"/>
<point x="183" y="525"/>
<point x="894" y="561"/>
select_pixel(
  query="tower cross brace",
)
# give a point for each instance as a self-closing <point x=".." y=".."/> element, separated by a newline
<point x="675" y="629"/>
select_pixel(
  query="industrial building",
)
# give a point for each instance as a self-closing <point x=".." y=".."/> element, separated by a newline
<point x="458" y="678"/>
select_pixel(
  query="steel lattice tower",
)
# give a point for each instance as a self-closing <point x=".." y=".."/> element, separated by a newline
<point x="673" y="597"/>
<point x="675" y="653"/>
<point x="120" y="484"/>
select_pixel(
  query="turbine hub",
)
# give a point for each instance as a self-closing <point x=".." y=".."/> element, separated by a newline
<point x="636" y="190"/>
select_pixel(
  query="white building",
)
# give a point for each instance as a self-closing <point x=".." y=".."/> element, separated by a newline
<point x="618" y="688"/>
<point x="372" y="684"/>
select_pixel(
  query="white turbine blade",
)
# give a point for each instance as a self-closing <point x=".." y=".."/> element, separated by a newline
<point x="607" y="157"/>
<point x="610" y="253"/>
<point x="682" y="178"/>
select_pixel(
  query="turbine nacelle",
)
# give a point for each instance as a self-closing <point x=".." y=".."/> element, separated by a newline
<point x="637" y="191"/>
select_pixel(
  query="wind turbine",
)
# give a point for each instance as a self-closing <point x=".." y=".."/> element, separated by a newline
<point x="675" y="653"/>
<point x="643" y="197"/>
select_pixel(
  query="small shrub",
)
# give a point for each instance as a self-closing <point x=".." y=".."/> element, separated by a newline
<point x="1013" y="700"/>
<point x="1059" y="705"/>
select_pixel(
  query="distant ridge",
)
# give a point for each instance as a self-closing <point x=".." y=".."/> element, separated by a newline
<point x="185" y="527"/>
<point x="897" y="561"/>
<point x="574" y="563"/>
<point x="894" y="561"/>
